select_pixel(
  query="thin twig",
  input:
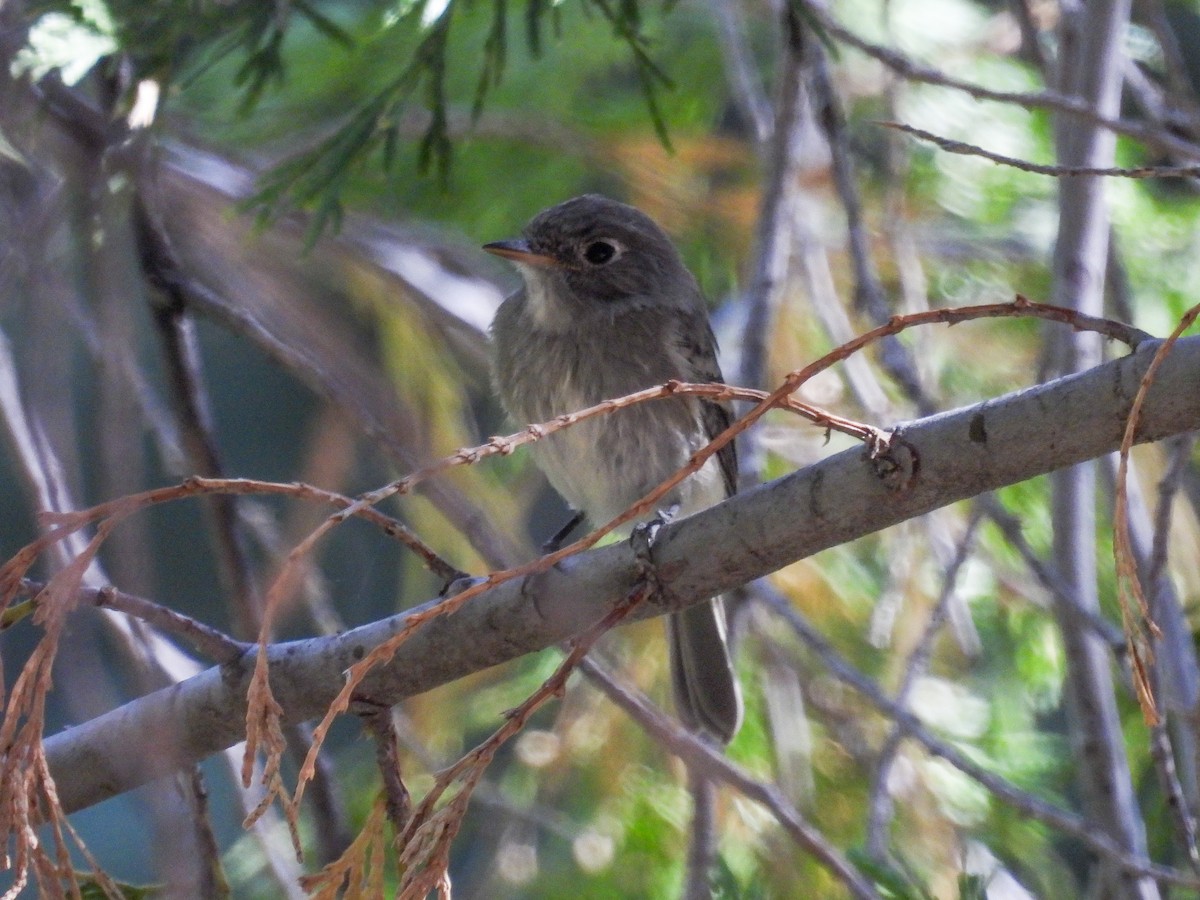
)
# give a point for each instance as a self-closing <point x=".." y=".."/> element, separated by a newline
<point x="211" y="642"/>
<point x="162" y="269"/>
<point x="1140" y="628"/>
<point x="327" y="807"/>
<point x="784" y="157"/>
<point x="1179" y="451"/>
<point x="1162" y="751"/>
<point x="1181" y="93"/>
<point x="802" y="211"/>
<point x="379" y="723"/>
<point x="1010" y="526"/>
<point x="65" y="524"/>
<point x="868" y="292"/>
<point x="212" y="876"/>
<point x="702" y="837"/>
<point x="966" y="149"/>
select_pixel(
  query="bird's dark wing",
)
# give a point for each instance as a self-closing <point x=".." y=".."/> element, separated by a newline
<point x="699" y="347"/>
<point x="717" y="417"/>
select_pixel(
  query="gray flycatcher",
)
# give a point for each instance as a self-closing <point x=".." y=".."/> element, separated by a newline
<point x="608" y="308"/>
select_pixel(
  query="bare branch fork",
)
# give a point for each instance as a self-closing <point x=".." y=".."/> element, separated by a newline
<point x="962" y="453"/>
<point x="363" y="506"/>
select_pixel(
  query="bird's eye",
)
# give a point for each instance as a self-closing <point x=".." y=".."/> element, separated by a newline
<point x="599" y="252"/>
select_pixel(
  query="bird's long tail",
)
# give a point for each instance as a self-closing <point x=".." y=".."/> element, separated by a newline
<point x="707" y="696"/>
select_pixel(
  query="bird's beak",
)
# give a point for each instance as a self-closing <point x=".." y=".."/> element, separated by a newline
<point x="519" y="252"/>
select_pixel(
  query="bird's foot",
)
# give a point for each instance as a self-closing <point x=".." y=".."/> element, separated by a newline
<point x="642" y="540"/>
<point x="456" y="586"/>
<point x="552" y="545"/>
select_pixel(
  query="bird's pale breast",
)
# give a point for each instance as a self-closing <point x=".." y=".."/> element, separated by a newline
<point x="605" y="464"/>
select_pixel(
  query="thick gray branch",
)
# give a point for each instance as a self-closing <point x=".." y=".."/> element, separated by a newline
<point x="961" y="454"/>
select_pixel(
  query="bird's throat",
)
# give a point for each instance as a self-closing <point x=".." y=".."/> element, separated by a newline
<point x="545" y="304"/>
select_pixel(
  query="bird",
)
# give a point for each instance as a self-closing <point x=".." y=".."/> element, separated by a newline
<point x="607" y="308"/>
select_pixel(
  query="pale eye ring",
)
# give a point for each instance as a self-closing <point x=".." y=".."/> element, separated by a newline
<point x="601" y="252"/>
